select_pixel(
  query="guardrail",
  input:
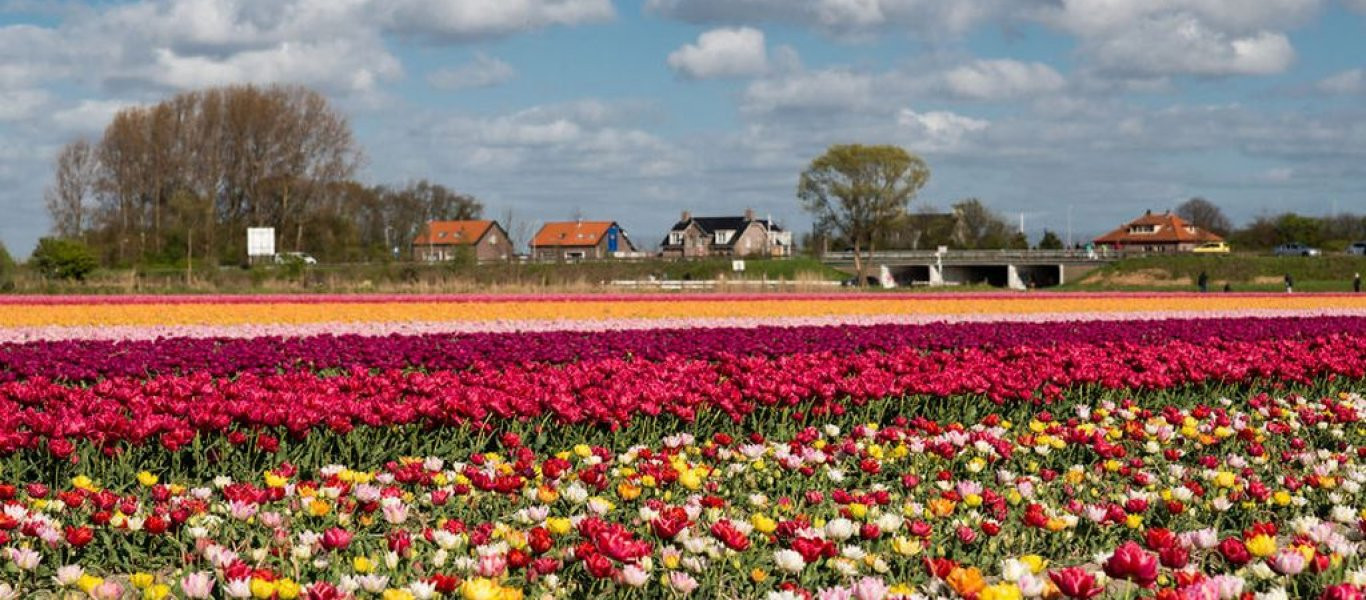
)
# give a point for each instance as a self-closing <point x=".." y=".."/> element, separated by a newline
<point x="707" y="284"/>
<point x="952" y="255"/>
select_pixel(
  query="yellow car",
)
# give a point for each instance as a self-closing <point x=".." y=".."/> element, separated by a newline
<point x="1212" y="248"/>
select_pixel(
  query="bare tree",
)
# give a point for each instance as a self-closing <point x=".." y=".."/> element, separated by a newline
<point x="1206" y="215"/>
<point x="237" y="156"/>
<point x="72" y="194"/>
<point x="518" y="229"/>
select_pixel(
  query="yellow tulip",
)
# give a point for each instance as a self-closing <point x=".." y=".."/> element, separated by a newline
<point x="1261" y="546"/>
<point x="480" y="588"/>
<point x="147" y="479"/>
<point x="141" y="580"/>
<point x="262" y="589"/>
<point x="362" y="564"/>
<point x="156" y="592"/>
<point x="286" y="589"/>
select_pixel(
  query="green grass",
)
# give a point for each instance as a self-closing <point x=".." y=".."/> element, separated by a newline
<point x="1244" y="271"/>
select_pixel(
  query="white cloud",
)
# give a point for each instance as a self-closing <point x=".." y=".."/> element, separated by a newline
<point x="823" y="90"/>
<point x="838" y="17"/>
<point x="1146" y="38"/>
<point x="1352" y="81"/>
<point x="476" y="19"/>
<point x="574" y="138"/>
<point x="939" y="130"/>
<point x="1002" y="79"/>
<point x="722" y="53"/>
<point x="484" y="71"/>
<point x="21" y="104"/>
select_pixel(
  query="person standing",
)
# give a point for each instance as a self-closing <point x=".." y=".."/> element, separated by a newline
<point x="1289" y="283"/>
<point x="1203" y="282"/>
<point x="1356" y="282"/>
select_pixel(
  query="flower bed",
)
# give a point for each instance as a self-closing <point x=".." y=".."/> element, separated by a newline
<point x="80" y="360"/>
<point x="1213" y="500"/>
<point x="855" y="453"/>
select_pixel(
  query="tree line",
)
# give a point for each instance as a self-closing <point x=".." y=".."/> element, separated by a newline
<point x="860" y="198"/>
<point x="184" y="179"/>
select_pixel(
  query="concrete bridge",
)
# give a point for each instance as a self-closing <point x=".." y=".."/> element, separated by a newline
<point x="1015" y="269"/>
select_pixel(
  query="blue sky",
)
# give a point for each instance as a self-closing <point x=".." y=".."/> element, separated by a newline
<point x="635" y="111"/>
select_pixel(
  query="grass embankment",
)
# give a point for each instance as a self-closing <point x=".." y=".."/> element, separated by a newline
<point x="426" y="278"/>
<point x="1242" y="272"/>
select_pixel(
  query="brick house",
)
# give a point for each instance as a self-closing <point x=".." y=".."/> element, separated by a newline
<point x="1164" y="233"/>
<point x="447" y="240"/>
<point x="696" y="237"/>
<point x="580" y="240"/>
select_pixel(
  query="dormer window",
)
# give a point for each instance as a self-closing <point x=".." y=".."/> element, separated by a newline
<point x="1139" y="229"/>
<point x="723" y="236"/>
<point x="441" y="235"/>
<point x="675" y="237"/>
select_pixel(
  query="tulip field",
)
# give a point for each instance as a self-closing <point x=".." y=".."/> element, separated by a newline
<point x="778" y="447"/>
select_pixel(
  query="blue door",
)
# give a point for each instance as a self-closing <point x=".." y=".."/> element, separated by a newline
<point x="612" y="239"/>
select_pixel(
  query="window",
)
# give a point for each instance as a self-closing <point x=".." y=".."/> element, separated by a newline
<point x="1142" y="229"/>
<point x="441" y="235"/>
<point x="493" y="239"/>
<point x="723" y="236"/>
<point x="675" y="238"/>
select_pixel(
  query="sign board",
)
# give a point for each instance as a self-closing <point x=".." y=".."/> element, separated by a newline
<point x="260" y="241"/>
<point x="942" y="250"/>
<point x="737" y="265"/>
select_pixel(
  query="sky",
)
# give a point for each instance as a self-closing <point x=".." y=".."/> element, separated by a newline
<point x="1068" y="112"/>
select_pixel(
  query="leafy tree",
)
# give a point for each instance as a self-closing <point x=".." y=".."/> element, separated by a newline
<point x="58" y="258"/>
<point x="858" y="191"/>
<point x="1206" y="215"/>
<point x="1291" y="227"/>
<point x="1050" y="241"/>
<point x="980" y="228"/>
<point x="7" y="269"/>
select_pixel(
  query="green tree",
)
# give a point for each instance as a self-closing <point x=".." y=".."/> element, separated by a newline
<point x="1050" y="241"/>
<point x="858" y="191"/>
<point x="57" y="258"/>
<point x="7" y="269"/>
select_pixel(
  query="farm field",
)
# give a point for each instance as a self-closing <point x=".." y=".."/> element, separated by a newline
<point x="849" y="446"/>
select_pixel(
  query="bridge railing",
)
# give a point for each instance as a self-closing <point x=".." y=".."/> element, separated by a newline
<point x="960" y="255"/>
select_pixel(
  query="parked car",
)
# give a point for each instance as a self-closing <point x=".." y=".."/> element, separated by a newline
<point x="1357" y="248"/>
<point x="1296" y="249"/>
<point x="1213" y="248"/>
<point x="287" y="257"/>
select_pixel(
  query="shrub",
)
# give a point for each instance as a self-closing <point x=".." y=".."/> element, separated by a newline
<point x="7" y="269"/>
<point x="57" y="258"/>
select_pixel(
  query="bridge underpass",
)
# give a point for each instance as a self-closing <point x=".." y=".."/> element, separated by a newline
<point x="1015" y="269"/>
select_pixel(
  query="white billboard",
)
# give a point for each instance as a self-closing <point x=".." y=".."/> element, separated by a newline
<point x="260" y="241"/>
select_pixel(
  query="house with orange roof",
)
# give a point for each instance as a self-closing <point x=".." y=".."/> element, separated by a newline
<point x="1164" y="233"/>
<point x="446" y="240"/>
<point x="580" y="240"/>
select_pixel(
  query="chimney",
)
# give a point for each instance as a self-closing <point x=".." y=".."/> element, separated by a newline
<point x="749" y="214"/>
<point x="685" y="217"/>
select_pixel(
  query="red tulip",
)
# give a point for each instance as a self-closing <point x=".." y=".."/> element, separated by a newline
<point x="336" y="538"/>
<point x="1130" y="561"/>
<point x="1076" y="583"/>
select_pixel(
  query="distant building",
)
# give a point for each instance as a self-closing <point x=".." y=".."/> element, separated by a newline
<point x="581" y="240"/>
<point x="446" y="240"/>
<point x="695" y="237"/>
<point x="1156" y="233"/>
